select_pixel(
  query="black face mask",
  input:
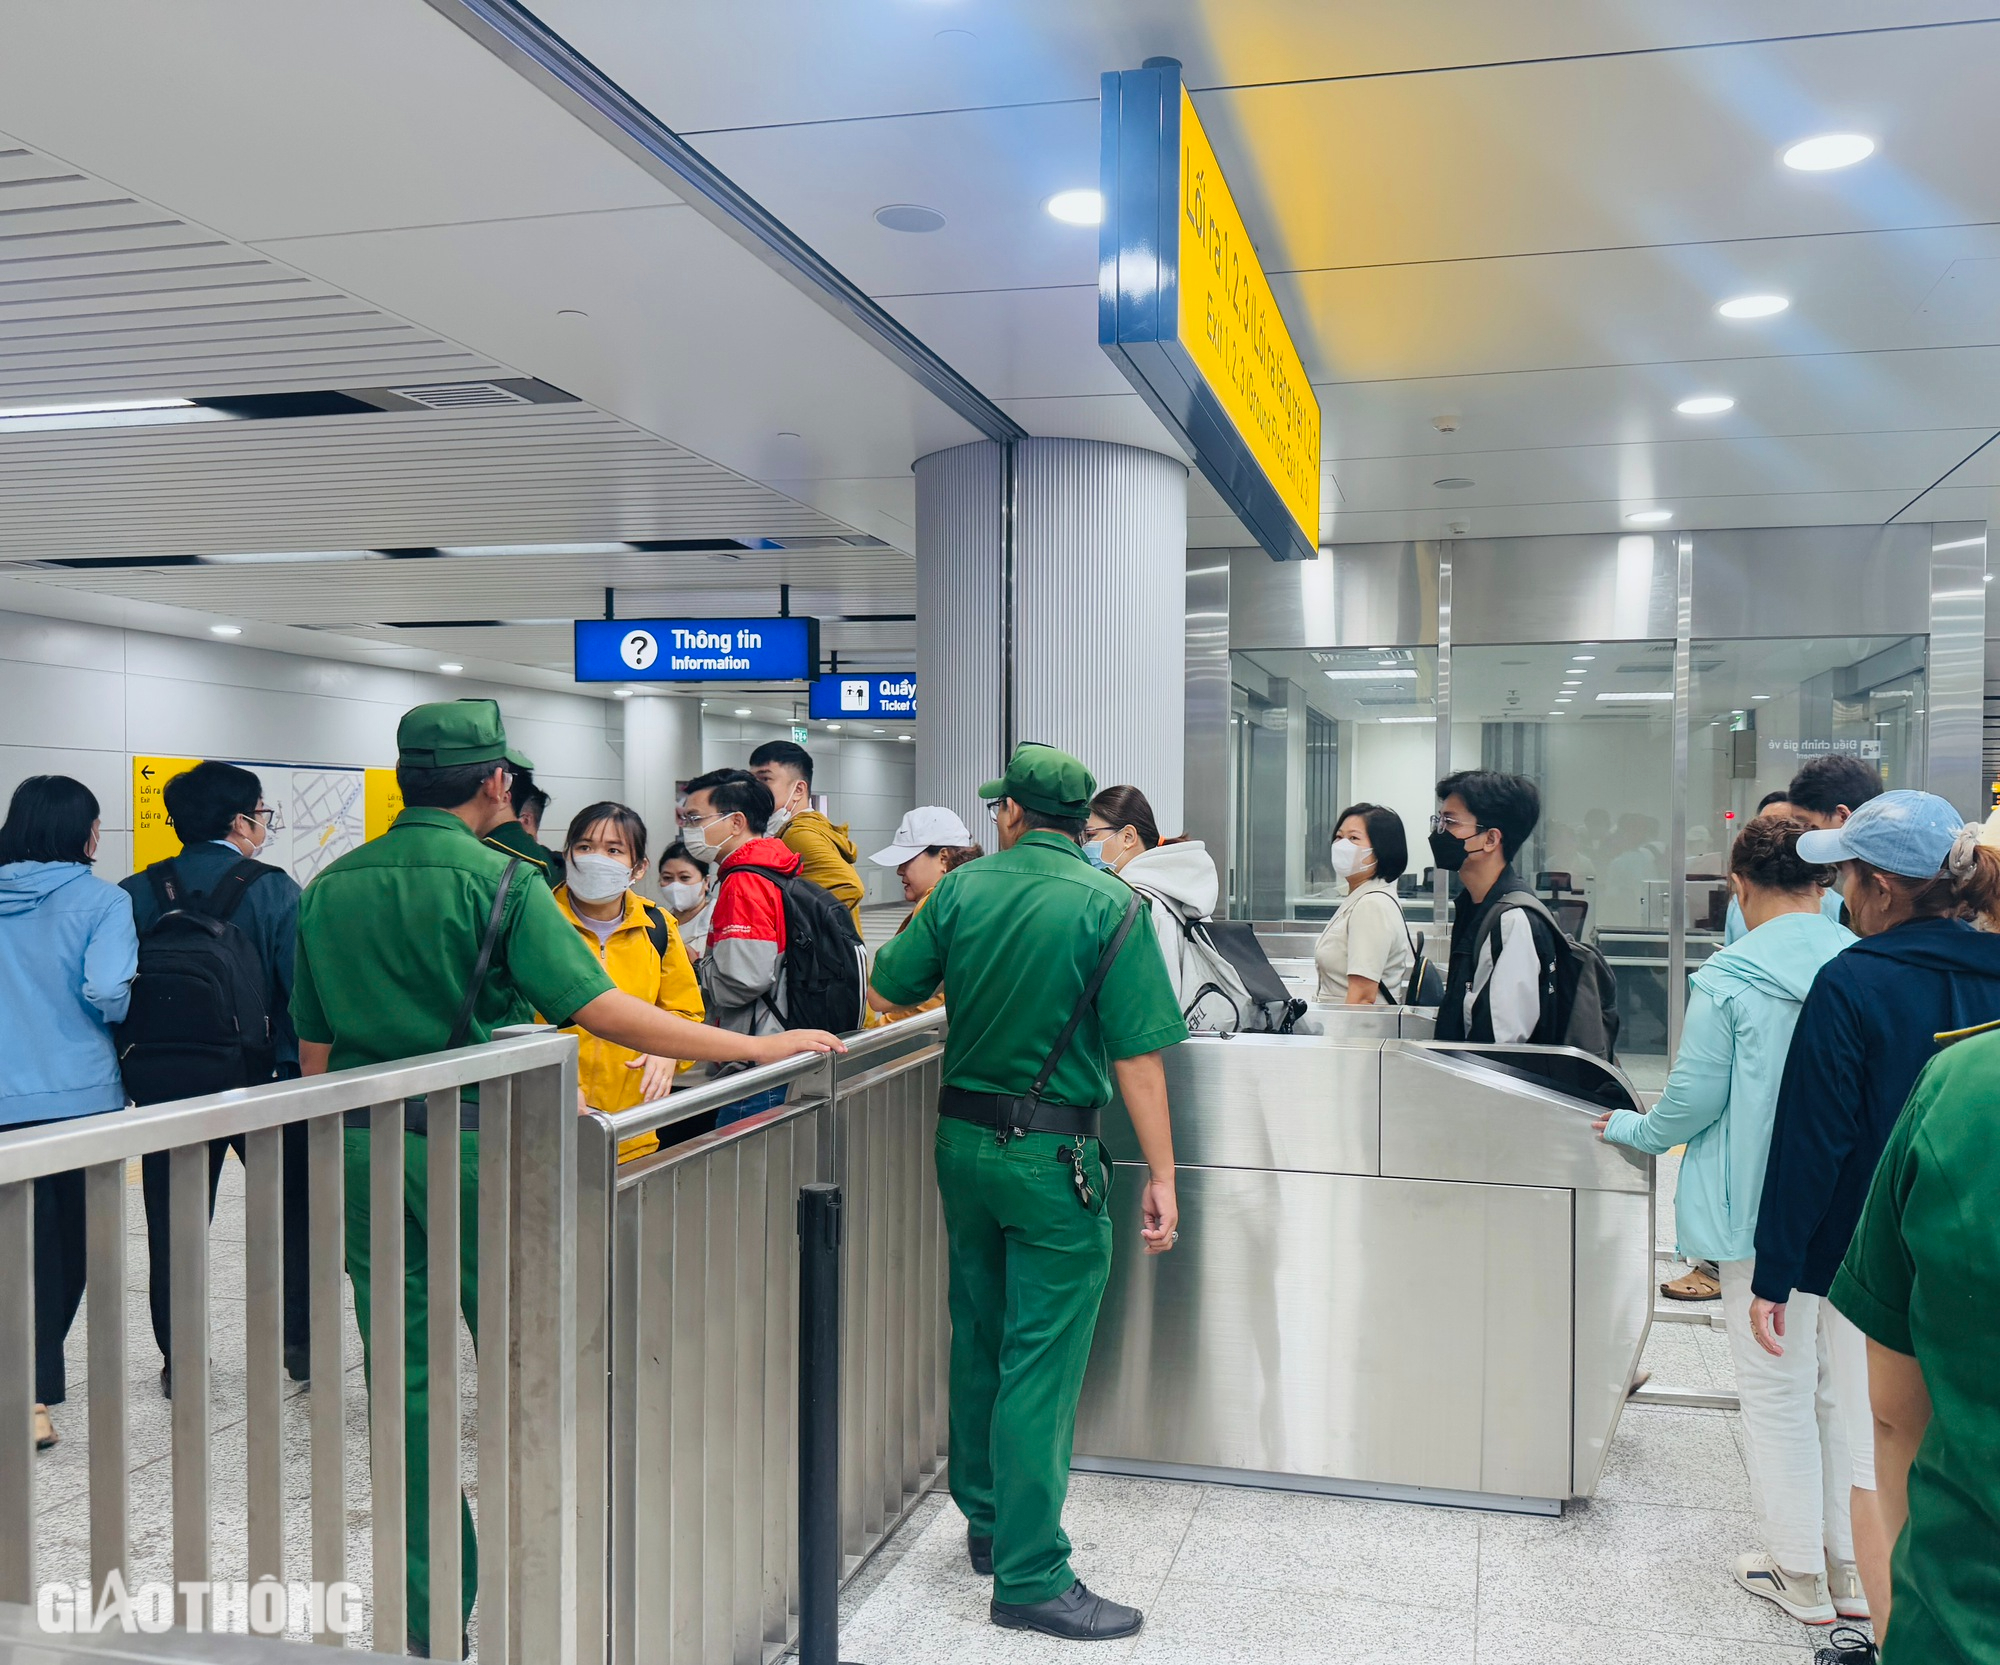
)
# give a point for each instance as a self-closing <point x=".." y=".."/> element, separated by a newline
<point x="1447" y="852"/>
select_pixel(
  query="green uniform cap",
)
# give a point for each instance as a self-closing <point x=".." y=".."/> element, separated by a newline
<point x="1048" y="781"/>
<point x="455" y="732"/>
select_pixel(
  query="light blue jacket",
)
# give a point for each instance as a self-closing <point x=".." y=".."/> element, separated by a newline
<point x="1735" y="930"/>
<point x="1722" y="1096"/>
<point x="68" y="953"/>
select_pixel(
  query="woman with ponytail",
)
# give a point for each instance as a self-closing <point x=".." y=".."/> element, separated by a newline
<point x="1918" y="884"/>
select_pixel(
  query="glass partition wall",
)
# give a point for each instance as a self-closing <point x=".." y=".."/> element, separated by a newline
<point x="1595" y="723"/>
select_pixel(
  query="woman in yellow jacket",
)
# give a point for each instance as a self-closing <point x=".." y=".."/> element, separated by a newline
<point x="641" y="951"/>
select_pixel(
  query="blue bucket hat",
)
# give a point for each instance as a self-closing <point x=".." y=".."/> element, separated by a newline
<point x="1907" y="833"/>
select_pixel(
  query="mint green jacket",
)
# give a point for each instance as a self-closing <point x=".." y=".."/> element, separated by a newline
<point x="1722" y="1096"/>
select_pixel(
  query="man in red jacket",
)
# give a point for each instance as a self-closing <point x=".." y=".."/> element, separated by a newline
<point x="722" y="819"/>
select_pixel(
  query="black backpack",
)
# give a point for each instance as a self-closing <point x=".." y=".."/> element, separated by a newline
<point x="826" y="964"/>
<point x="1579" y="990"/>
<point x="200" y="1020"/>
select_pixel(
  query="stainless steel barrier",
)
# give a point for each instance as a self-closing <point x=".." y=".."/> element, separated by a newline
<point x="688" y="1316"/>
<point x="1408" y="1268"/>
<point x="526" y="1226"/>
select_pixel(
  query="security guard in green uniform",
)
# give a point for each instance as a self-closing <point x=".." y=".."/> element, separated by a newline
<point x="516" y="835"/>
<point x="388" y="938"/>
<point x="1035" y="947"/>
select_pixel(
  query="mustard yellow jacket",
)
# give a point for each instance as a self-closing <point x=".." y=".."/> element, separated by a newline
<point x="665" y="980"/>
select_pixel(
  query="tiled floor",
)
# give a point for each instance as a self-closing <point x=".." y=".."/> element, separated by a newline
<point x="1226" y="1574"/>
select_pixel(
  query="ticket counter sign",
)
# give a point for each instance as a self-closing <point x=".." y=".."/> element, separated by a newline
<point x="1185" y="310"/>
<point x="697" y="650"/>
<point x="856" y="695"/>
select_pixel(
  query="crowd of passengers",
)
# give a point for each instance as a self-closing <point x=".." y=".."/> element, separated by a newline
<point x="1832" y="1089"/>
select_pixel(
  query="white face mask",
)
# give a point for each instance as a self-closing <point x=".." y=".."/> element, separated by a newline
<point x="1348" y="856"/>
<point x="595" y="878"/>
<point x="699" y="844"/>
<point x="683" y="896"/>
<point x="780" y="820"/>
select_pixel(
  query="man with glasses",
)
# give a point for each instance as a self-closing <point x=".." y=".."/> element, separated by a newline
<point x="219" y="813"/>
<point x="1497" y="988"/>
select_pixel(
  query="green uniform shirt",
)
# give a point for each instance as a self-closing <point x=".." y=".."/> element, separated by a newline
<point x="389" y="934"/>
<point x="512" y="838"/>
<point x="1013" y="938"/>
<point x="1922" y="1277"/>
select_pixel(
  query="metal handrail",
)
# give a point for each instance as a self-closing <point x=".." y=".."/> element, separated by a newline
<point x="687" y="1102"/>
<point x="116" y="1135"/>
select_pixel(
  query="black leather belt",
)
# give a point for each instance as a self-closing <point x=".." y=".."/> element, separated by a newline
<point x="1002" y="1110"/>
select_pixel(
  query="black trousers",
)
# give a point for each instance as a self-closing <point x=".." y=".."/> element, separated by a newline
<point x="59" y="1274"/>
<point x="154" y="1168"/>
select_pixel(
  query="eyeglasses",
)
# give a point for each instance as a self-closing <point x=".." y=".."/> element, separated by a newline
<point x="268" y="814"/>
<point x="687" y="818"/>
<point x="1092" y="831"/>
<point x="1441" y="824"/>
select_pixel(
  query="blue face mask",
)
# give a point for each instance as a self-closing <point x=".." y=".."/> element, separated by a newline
<point x="1094" y="854"/>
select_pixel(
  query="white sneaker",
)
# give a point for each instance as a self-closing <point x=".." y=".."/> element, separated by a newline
<point x="1803" y="1595"/>
<point x="1843" y="1584"/>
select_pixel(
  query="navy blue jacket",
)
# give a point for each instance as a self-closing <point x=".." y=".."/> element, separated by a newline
<point x="269" y="917"/>
<point x="1864" y="1035"/>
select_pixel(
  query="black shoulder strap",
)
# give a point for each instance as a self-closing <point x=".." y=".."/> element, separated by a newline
<point x="658" y="932"/>
<point x="230" y="889"/>
<point x="1088" y="999"/>
<point x="165" y="879"/>
<point x="462" y="1026"/>
<point x="1523" y="900"/>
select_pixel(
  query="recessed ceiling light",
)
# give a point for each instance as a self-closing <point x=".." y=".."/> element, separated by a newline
<point x="1760" y="696"/>
<point x="1634" y="699"/>
<point x="907" y="739"/>
<point x="1452" y="482"/>
<point x="879" y="731"/>
<point x="1650" y="517"/>
<point x="1706" y="404"/>
<point x="1379" y="674"/>
<point x="451" y="670"/>
<point x="1077" y="207"/>
<point x="1558" y="713"/>
<point x="908" y="216"/>
<point x="1581" y="658"/>
<point x="225" y="630"/>
<point x="743" y="711"/>
<point x="621" y="693"/>
<point x="833" y="728"/>
<point x="1829" y="150"/>
<point x="1406" y="719"/>
<point x="1753" y="306"/>
<point x="1562" y="699"/>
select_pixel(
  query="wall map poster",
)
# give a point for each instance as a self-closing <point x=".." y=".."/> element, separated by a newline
<point x="323" y="811"/>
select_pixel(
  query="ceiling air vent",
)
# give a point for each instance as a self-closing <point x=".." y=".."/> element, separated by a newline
<point x="458" y="395"/>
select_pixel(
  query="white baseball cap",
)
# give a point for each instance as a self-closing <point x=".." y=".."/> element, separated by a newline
<point x="923" y="828"/>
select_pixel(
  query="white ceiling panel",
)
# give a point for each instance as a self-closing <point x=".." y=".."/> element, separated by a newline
<point x="533" y="474"/>
<point x="1866" y="292"/>
<point x="679" y="333"/>
<point x="1019" y="343"/>
<point x="1534" y="519"/>
<point x="1122" y="418"/>
<point x="308" y="116"/>
<point x="775" y="61"/>
<point x="1957" y="387"/>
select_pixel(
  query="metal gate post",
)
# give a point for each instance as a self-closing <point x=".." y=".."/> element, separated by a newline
<point x="819" y="1424"/>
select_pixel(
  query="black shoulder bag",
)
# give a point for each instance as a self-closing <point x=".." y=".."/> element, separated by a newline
<point x="462" y="1025"/>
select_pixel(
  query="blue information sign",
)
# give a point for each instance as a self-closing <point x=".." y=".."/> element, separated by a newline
<point x="697" y="650"/>
<point x="874" y="695"/>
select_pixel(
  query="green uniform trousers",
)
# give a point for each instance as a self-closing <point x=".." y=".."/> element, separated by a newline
<point x="416" y="1342"/>
<point x="1028" y="1267"/>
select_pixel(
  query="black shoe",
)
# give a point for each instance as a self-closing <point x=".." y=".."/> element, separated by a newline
<point x="1076" y="1616"/>
<point x="979" y="1551"/>
<point x="1847" y="1646"/>
<point x="166" y="1381"/>
<point x="298" y="1365"/>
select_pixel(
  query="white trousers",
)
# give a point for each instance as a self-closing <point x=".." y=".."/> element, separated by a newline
<point x="1798" y="1423"/>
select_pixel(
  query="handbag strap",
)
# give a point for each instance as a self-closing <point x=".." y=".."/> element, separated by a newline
<point x="463" y="1025"/>
<point x="1088" y="999"/>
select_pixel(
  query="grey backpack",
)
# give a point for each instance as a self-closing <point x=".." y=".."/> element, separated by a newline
<point x="1579" y="990"/>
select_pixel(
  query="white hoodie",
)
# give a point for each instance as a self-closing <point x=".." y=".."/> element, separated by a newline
<point x="1179" y="881"/>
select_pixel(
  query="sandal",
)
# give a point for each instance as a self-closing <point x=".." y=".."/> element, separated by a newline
<point x="1697" y="1285"/>
<point x="45" y="1429"/>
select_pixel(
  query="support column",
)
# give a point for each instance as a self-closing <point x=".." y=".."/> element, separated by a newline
<point x="662" y="748"/>
<point x="1099" y="571"/>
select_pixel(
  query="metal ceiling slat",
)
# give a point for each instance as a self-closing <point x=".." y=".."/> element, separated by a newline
<point x="17" y="239"/>
<point x="114" y="260"/>
<point x="13" y="349"/>
<point x="238" y="327"/>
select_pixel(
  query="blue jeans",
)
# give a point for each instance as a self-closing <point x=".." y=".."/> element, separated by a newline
<point x="755" y="1105"/>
